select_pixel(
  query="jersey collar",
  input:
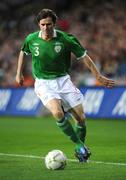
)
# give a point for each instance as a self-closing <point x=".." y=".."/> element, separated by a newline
<point x="54" y="34"/>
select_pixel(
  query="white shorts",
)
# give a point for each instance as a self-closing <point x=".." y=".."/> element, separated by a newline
<point x="60" y="88"/>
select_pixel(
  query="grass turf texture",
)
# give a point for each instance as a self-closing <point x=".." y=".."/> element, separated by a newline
<point x="37" y="136"/>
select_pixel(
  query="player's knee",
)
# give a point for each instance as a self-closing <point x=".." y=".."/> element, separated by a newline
<point x="81" y="118"/>
<point x="58" y="114"/>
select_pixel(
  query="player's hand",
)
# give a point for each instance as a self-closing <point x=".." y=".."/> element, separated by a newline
<point x="106" y="81"/>
<point x="20" y="79"/>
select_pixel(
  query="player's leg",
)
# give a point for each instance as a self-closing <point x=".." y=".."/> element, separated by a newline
<point x="74" y="100"/>
<point x="55" y="107"/>
<point x="52" y="100"/>
<point x="78" y="114"/>
<point x="80" y="121"/>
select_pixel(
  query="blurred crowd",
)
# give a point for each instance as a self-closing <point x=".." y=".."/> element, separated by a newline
<point x="101" y="29"/>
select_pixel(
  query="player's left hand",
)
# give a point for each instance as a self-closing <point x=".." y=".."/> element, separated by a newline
<point x="106" y="81"/>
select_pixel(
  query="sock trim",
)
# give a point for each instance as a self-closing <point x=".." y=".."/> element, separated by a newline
<point x="61" y="122"/>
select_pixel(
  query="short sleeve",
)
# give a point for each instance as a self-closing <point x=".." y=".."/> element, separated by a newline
<point x="76" y="48"/>
<point x="25" y="46"/>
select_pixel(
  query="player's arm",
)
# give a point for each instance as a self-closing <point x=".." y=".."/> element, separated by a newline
<point x="19" y="75"/>
<point x="102" y="79"/>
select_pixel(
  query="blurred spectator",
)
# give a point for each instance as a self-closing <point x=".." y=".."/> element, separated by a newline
<point x="100" y="27"/>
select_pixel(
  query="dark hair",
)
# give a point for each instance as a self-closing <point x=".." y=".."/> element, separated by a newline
<point x="44" y="13"/>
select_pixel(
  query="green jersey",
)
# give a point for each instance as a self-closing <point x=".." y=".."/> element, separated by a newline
<point x="52" y="59"/>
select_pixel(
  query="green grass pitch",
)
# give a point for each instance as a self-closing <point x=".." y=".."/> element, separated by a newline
<point x="25" y="141"/>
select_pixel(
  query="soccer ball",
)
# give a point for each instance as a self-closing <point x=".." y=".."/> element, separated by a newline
<point x="55" y="160"/>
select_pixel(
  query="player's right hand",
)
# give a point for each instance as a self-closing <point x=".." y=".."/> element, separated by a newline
<point x="20" y="79"/>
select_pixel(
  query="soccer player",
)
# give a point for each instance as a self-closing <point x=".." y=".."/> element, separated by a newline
<point x="51" y="58"/>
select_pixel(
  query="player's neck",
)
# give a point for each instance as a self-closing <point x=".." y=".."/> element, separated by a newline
<point x="47" y="37"/>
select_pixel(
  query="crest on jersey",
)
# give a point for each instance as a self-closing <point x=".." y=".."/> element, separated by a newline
<point x="57" y="48"/>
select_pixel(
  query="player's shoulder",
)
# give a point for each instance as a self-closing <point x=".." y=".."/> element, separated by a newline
<point x="32" y="35"/>
<point x="65" y="35"/>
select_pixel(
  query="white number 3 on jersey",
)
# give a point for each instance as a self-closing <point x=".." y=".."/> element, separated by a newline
<point x="36" y="51"/>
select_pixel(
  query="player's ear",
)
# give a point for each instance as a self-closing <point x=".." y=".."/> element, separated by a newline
<point x="39" y="24"/>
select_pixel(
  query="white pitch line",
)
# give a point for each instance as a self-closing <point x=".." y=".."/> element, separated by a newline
<point x="72" y="160"/>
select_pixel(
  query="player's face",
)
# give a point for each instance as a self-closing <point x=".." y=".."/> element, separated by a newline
<point x="46" y="26"/>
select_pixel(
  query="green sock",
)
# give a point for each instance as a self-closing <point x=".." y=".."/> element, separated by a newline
<point x="80" y="129"/>
<point x="67" y="128"/>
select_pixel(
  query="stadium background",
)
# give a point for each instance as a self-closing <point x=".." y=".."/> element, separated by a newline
<point x="99" y="25"/>
<point x="24" y="141"/>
